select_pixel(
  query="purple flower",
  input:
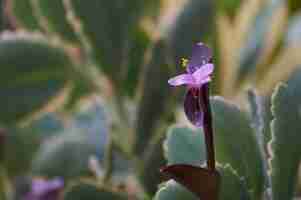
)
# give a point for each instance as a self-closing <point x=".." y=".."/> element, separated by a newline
<point x="197" y="74"/>
<point x="45" y="189"/>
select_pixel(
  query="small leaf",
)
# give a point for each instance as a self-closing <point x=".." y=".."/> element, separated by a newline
<point x="21" y="13"/>
<point x="53" y="17"/>
<point x="81" y="191"/>
<point x="33" y="72"/>
<point x="236" y="144"/>
<point x="184" y="145"/>
<point x="285" y="143"/>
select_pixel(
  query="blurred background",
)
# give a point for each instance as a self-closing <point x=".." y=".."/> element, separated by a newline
<point x="83" y="84"/>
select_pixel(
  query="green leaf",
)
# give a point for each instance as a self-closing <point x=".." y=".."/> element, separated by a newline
<point x="138" y="46"/>
<point x="81" y="191"/>
<point x="54" y="15"/>
<point x="33" y="72"/>
<point x="285" y="143"/>
<point x="255" y="39"/>
<point x="64" y="156"/>
<point x="171" y="190"/>
<point x="22" y="14"/>
<point x="67" y="154"/>
<point x="236" y="144"/>
<point x="150" y="112"/>
<point x="190" y="27"/>
<point x="232" y="187"/>
<point x="184" y="145"/>
<point x="19" y="142"/>
<point x="106" y="26"/>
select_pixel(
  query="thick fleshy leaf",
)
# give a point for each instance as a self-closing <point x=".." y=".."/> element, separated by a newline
<point x="33" y="72"/>
<point x="107" y="27"/>
<point x="53" y="18"/>
<point x="150" y="112"/>
<point x="67" y="154"/>
<point x="232" y="187"/>
<point x="172" y="190"/>
<point x="285" y="143"/>
<point x="18" y="142"/>
<point x="190" y="27"/>
<point x="236" y="144"/>
<point x="21" y="13"/>
<point x="255" y="39"/>
<point x="47" y="125"/>
<point x="81" y="191"/>
<point x="140" y="42"/>
<point x="185" y="146"/>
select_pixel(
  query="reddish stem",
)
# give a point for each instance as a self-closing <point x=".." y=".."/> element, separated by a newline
<point x="208" y="127"/>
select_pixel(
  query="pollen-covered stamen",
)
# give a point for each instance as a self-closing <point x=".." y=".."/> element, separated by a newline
<point x="184" y="62"/>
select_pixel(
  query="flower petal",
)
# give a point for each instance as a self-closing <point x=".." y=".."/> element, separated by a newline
<point x="201" y="55"/>
<point x="202" y="74"/>
<point x="183" y="79"/>
<point x="193" y="107"/>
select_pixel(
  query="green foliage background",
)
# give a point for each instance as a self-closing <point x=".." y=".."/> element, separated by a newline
<point x="84" y="96"/>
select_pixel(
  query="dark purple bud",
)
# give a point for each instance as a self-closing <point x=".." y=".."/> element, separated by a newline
<point x="194" y="106"/>
<point x="201" y="55"/>
<point x="45" y="189"/>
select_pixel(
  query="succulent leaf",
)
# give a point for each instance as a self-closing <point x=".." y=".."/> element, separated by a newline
<point x="34" y="71"/>
<point x="236" y="144"/>
<point x="184" y="145"/>
<point x="80" y="191"/>
<point x="285" y="142"/>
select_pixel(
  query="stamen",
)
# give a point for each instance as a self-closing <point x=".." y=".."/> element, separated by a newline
<point x="184" y="62"/>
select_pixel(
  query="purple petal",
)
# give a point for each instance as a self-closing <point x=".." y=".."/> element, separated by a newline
<point x="45" y="189"/>
<point x="201" y="54"/>
<point x="183" y="79"/>
<point x="202" y="74"/>
<point x="193" y="107"/>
